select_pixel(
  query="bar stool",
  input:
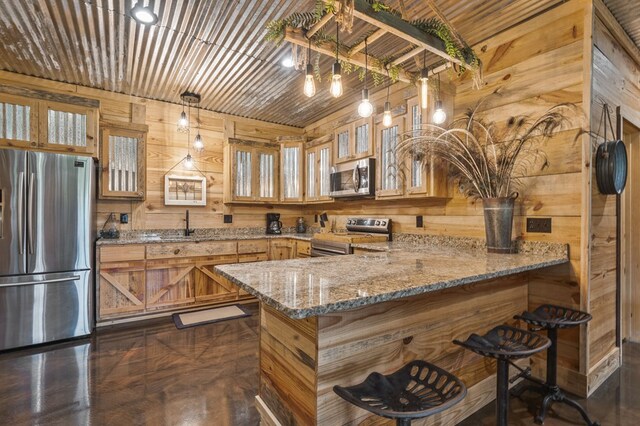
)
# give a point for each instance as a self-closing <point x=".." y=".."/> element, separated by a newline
<point x="551" y="318"/>
<point x="505" y="343"/>
<point x="417" y="390"/>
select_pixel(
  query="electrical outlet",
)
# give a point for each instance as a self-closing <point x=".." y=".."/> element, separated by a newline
<point x="541" y="225"/>
<point x="315" y="218"/>
<point x="227" y="218"/>
<point x="124" y="218"/>
<point x="419" y="222"/>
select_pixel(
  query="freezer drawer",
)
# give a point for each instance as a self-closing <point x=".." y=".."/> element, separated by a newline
<point x="43" y="308"/>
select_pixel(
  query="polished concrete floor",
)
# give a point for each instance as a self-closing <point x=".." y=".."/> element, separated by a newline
<point x="154" y="374"/>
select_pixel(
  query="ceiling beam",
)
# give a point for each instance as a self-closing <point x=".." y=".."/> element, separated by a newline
<point x="410" y="54"/>
<point x="373" y="37"/>
<point x="401" y="28"/>
<point x="321" y="23"/>
<point x="295" y="36"/>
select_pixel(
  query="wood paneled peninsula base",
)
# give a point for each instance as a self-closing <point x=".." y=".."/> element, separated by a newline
<point x="328" y="321"/>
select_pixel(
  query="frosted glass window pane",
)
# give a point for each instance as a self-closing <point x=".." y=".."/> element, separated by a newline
<point x="311" y="173"/>
<point x="15" y="122"/>
<point x="243" y="174"/>
<point x="266" y="162"/>
<point x="67" y="128"/>
<point x="325" y="172"/>
<point x="343" y="144"/>
<point x="416" y="165"/>
<point x="362" y="139"/>
<point x="291" y="160"/>
<point x="123" y="164"/>
<point x="389" y="158"/>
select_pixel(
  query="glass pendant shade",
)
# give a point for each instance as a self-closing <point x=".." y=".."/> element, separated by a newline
<point x="336" y="81"/>
<point x="365" y="109"/>
<point x="198" y="144"/>
<point x="309" y="83"/>
<point x="183" y="122"/>
<point x="439" y="116"/>
<point x="188" y="162"/>
<point x="386" y="117"/>
<point x="424" y="89"/>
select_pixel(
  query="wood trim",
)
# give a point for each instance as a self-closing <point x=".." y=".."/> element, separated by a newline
<point x="51" y="97"/>
<point x="603" y="369"/>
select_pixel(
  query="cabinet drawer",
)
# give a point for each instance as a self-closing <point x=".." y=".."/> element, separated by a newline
<point x="122" y="253"/>
<point x="252" y="257"/>
<point x="195" y="249"/>
<point x="253" y="246"/>
<point x="303" y="248"/>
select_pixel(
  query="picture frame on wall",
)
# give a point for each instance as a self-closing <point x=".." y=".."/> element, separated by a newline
<point x="185" y="190"/>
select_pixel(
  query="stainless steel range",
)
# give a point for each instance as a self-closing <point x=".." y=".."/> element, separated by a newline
<point x="359" y="230"/>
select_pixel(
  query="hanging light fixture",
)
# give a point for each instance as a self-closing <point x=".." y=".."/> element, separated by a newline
<point x="198" y="144"/>
<point x="365" y="109"/>
<point x="144" y="14"/>
<point x="309" y="83"/>
<point x="336" y="79"/>
<point x="424" y="82"/>
<point x="188" y="161"/>
<point x="386" y="117"/>
<point x="183" y="121"/>
<point x="439" y="116"/>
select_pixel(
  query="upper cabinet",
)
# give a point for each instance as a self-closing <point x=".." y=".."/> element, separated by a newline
<point x="354" y="140"/>
<point x="251" y="171"/>
<point x="318" y="171"/>
<point x="68" y="125"/>
<point x="390" y="173"/>
<point x="123" y="161"/>
<point x="292" y="171"/>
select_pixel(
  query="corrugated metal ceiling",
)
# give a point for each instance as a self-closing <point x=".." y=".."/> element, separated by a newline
<point x="627" y="12"/>
<point x="215" y="48"/>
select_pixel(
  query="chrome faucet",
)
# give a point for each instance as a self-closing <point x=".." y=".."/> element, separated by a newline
<point x="187" y="230"/>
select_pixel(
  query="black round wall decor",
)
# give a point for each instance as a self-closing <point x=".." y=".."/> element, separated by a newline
<point x="611" y="167"/>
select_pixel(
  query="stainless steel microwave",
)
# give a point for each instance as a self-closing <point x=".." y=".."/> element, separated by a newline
<point x="354" y="179"/>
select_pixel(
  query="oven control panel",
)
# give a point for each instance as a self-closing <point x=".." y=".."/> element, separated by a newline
<point x="372" y="225"/>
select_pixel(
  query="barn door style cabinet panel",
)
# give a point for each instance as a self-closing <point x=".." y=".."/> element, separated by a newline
<point x="53" y="122"/>
<point x="252" y="171"/>
<point x="123" y="161"/>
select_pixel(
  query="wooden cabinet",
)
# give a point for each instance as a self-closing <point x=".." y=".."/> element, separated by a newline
<point x="318" y="162"/>
<point x="253" y="250"/>
<point x="281" y="249"/>
<point x="123" y="161"/>
<point x="252" y="171"/>
<point x="211" y="286"/>
<point x="292" y="172"/>
<point x="390" y="181"/>
<point x="170" y="283"/>
<point x="121" y="289"/>
<point x="303" y="249"/>
<point x="354" y="140"/>
<point x="18" y="121"/>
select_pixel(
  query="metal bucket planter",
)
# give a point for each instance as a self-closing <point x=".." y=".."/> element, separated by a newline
<point x="498" y="223"/>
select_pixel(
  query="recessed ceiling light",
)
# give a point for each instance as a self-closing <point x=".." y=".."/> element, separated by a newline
<point x="287" y="62"/>
<point x="144" y="14"/>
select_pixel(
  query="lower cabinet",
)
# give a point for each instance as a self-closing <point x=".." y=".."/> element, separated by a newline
<point x="139" y="280"/>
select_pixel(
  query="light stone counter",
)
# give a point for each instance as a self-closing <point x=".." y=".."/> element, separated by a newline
<point x="303" y="288"/>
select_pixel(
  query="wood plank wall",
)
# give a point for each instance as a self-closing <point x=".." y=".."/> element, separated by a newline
<point x="529" y="68"/>
<point x="165" y="147"/>
<point x="616" y="81"/>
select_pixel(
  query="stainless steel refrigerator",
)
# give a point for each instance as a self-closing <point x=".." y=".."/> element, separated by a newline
<point x="47" y="208"/>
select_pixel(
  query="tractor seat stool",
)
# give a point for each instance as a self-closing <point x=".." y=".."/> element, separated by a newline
<point x="417" y="390"/>
<point x="551" y="318"/>
<point x="505" y="343"/>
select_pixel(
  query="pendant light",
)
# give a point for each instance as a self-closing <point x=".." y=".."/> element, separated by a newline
<point x="309" y="83"/>
<point x="365" y="109"/>
<point x="336" y="79"/>
<point x="198" y="144"/>
<point x="439" y="116"/>
<point x="188" y="162"/>
<point x="386" y="117"/>
<point x="424" y="82"/>
<point x="183" y="121"/>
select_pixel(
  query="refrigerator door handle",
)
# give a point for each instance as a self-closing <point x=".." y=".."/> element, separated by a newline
<point x="35" y="282"/>
<point x="20" y="212"/>
<point x="30" y="212"/>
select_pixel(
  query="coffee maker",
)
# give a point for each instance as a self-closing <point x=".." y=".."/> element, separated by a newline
<point x="274" y="226"/>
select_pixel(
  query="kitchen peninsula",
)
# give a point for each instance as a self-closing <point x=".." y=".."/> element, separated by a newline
<point x="329" y="321"/>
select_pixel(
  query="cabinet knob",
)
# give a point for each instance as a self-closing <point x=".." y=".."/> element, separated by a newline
<point x="176" y="251"/>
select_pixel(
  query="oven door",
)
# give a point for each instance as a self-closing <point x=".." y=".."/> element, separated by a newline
<point x="353" y="179"/>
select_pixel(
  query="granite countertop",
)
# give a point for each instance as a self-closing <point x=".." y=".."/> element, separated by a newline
<point x="302" y="288"/>
<point x="213" y="234"/>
